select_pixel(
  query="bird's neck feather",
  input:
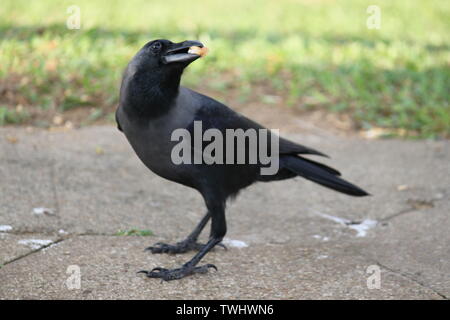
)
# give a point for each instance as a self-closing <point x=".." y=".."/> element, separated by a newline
<point x="151" y="94"/>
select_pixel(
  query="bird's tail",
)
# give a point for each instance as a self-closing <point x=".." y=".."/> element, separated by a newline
<point x="321" y="174"/>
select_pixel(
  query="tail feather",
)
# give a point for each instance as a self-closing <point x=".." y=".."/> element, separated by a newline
<point x="322" y="166"/>
<point x="320" y="174"/>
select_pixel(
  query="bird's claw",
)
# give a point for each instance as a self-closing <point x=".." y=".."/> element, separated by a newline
<point x="220" y="244"/>
<point x="174" y="274"/>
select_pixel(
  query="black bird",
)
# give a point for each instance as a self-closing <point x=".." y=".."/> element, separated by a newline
<point x="153" y="105"/>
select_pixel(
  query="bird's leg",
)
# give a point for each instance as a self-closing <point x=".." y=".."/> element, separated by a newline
<point x="188" y="244"/>
<point x="218" y="230"/>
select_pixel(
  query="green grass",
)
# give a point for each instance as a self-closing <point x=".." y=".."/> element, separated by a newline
<point x="8" y="116"/>
<point x="134" y="232"/>
<point x="312" y="53"/>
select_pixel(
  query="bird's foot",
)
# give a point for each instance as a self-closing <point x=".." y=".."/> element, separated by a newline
<point x="179" y="247"/>
<point x="174" y="274"/>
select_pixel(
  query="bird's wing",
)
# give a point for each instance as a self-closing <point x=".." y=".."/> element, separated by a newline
<point x="214" y="114"/>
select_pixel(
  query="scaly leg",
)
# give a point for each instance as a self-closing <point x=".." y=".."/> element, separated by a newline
<point x="188" y="244"/>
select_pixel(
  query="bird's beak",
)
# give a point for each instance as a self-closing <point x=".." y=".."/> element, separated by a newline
<point x="185" y="52"/>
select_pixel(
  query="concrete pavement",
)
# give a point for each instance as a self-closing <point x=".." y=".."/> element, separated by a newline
<point x="303" y="241"/>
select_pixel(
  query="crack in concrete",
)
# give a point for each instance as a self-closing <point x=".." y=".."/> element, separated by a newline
<point x="33" y="251"/>
<point x="95" y="234"/>
<point x="412" y="278"/>
<point x="414" y="208"/>
<point x="402" y="212"/>
<point x="59" y="240"/>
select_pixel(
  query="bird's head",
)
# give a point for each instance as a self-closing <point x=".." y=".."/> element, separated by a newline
<point x="154" y="73"/>
<point x="164" y="55"/>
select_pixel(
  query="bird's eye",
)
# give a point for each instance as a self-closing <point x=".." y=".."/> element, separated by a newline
<point x="156" y="47"/>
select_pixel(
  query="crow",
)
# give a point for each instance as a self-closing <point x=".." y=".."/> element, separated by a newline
<point x="153" y="105"/>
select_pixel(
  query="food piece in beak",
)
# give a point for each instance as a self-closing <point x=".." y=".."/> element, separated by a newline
<point x="198" y="50"/>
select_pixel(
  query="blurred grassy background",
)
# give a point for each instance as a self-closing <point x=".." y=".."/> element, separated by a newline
<point x="307" y="54"/>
